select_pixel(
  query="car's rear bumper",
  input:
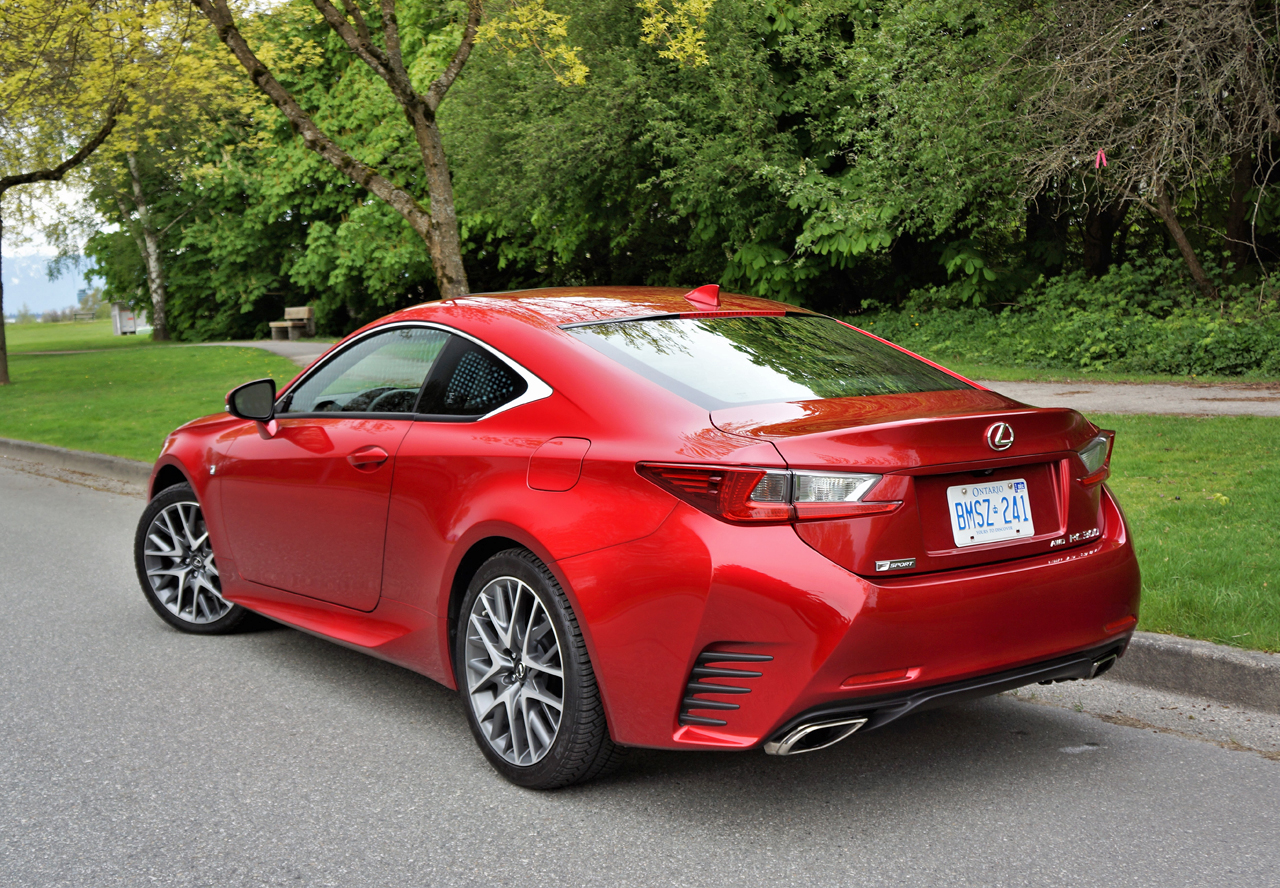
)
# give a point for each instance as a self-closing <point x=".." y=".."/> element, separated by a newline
<point x="817" y="638"/>
<point x="876" y="712"/>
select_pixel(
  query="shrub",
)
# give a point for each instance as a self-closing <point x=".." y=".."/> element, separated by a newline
<point x="1137" y="319"/>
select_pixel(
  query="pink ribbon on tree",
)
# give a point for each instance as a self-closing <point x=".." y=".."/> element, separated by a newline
<point x="1100" y="160"/>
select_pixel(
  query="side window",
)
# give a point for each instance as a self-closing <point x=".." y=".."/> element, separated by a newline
<point x="470" y="381"/>
<point x="382" y="373"/>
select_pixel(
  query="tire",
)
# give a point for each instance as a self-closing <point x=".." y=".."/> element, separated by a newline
<point x="518" y="654"/>
<point x="176" y="566"/>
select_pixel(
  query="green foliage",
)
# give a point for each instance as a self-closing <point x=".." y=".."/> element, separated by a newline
<point x="828" y="154"/>
<point x="1141" y="317"/>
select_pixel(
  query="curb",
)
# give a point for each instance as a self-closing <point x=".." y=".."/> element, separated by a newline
<point x="1164" y="662"/>
<point x="114" y="467"/>
<point x="1201" y="669"/>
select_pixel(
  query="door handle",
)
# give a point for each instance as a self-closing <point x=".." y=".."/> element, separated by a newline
<point x="368" y="457"/>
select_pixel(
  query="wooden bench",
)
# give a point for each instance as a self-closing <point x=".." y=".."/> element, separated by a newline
<point x="83" y="315"/>
<point x="297" y="321"/>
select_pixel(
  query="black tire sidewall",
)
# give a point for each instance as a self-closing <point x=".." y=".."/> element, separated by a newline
<point x="178" y="493"/>
<point x="552" y="770"/>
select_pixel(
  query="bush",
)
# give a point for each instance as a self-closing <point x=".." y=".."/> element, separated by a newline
<point x="1139" y="318"/>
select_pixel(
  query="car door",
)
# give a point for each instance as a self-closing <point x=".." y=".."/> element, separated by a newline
<point x="306" y="508"/>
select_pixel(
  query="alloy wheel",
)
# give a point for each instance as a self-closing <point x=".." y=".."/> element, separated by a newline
<point x="514" y="671"/>
<point x="179" y="565"/>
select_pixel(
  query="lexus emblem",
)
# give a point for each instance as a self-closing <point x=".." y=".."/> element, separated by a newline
<point x="1000" y="436"/>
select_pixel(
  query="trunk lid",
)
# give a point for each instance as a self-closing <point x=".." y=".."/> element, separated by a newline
<point x="925" y="444"/>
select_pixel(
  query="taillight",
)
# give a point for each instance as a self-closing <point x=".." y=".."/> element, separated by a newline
<point x="1096" y="456"/>
<point x="767" y="496"/>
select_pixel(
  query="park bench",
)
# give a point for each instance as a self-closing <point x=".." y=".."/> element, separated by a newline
<point x="83" y="315"/>
<point x="297" y="321"/>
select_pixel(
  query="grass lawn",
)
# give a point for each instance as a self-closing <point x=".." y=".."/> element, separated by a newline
<point x="68" y="336"/>
<point x="1201" y="497"/>
<point x="124" y="402"/>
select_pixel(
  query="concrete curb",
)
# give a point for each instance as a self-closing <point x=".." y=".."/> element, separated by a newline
<point x="1201" y="669"/>
<point x="114" y="467"/>
<point x="1163" y="662"/>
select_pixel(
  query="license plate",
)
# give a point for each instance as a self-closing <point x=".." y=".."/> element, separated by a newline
<point x="990" y="512"/>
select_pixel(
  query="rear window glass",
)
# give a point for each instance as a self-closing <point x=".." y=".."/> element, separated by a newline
<point x="726" y="362"/>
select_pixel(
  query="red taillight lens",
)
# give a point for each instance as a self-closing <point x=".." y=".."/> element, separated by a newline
<point x="767" y="496"/>
<point x="723" y="492"/>
<point x="1096" y="456"/>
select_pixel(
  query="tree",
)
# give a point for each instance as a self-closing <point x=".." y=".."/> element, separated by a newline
<point x="1149" y="101"/>
<point x="136" y="181"/>
<point x="376" y="38"/>
<point x="437" y="226"/>
<point x="60" y="85"/>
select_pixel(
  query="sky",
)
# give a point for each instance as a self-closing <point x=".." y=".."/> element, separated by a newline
<point x="23" y="265"/>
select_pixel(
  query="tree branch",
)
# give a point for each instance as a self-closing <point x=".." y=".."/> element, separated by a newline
<point x="363" y="46"/>
<point x="391" y="34"/>
<point x="312" y="136"/>
<point x="435" y="95"/>
<point x="55" y="174"/>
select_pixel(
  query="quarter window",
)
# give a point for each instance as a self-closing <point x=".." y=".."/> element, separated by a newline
<point x="470" y="381"/>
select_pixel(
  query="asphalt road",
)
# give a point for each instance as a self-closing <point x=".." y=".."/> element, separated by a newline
<point x="131" y="754"/>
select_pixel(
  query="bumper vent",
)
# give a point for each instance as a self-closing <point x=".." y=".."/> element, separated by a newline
<point x="707" y="677"/>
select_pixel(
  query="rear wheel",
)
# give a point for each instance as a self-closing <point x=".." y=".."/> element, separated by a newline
<point x="176" y="567"/>
<point x="525" y="679"/>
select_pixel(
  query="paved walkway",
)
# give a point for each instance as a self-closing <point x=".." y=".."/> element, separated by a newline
<point x="1112" y="397"/>
<point x="299" y="351"/>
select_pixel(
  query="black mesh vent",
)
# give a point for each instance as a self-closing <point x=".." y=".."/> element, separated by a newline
<point x="708" y="677"/>
<point x="479" y="384"/>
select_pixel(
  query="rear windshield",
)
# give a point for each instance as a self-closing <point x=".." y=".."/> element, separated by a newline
<point x="727" y="362"/>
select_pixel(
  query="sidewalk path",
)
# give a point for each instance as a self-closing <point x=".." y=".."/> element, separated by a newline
<point x="299" y="351"/>
<point x="1114" y="397"/>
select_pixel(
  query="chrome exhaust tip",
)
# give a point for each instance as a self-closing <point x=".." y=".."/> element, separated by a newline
<point x="815" y="736"/>
<point x="1102" y="665"/>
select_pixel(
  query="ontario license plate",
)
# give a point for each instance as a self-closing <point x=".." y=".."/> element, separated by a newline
<point x="990" y="512"/>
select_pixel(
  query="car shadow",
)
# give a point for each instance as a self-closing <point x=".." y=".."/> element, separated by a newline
<point x="968" y="747"/>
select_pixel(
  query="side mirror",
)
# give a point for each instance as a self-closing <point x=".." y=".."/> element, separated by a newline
<point x="254" y="400"/>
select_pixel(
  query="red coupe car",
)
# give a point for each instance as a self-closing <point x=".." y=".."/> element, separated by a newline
<point x="616" y="517"/>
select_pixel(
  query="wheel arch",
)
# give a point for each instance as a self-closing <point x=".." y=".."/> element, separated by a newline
<point x="166" y="476"/>
<point x="489" y="541"/>
<point x="477" y="554"/>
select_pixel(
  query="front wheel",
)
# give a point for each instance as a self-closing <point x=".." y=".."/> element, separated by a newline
<point x="176" y="567"/>
<point x="526" y="682"/>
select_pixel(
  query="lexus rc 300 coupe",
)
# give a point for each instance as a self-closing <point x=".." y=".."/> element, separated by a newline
<point x="616" y="517"/>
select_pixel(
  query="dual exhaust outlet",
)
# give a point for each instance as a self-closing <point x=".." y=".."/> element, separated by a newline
<point x="819" y="734"/>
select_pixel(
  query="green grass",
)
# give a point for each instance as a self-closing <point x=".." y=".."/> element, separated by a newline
<point x="68" y="336"/>
<point x="1201" y="498"/>
<point x="124" y="402"/>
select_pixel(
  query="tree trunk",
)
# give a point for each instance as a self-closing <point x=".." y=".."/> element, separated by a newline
<point x="149" y="246"/>
<point x="445" y="242"/>
<point x="1100" y="226"/>
<point x="1165" y="210"/>
<point x="4" y="353"/>
<point x="1046" y="231"/>
<point x="1239" y="228"/>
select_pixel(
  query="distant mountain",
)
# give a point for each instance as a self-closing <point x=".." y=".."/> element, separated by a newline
<point x="25" y="281"/>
